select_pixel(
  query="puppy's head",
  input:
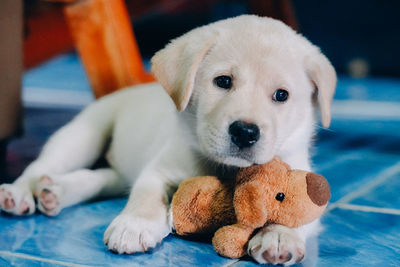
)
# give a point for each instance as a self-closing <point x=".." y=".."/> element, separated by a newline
<point x="250" y="84"/>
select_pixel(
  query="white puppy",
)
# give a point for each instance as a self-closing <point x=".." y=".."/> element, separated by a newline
<point x="246" y="86"/>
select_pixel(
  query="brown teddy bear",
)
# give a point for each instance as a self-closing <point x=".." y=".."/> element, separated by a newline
<point x="269" y="193"/>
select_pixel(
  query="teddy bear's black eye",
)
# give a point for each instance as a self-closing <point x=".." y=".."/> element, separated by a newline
<point x="280" y="197"/>
<point x="280" y="95"/>
<point x="223" y="81"/>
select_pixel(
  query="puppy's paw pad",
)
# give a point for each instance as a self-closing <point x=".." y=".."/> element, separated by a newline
<point x="128" y="234"/>
<point x="46" y="180"/>
<point x="276" y="246"/>
<point x="48" y="194"/>
<point x="7" y="199"/>
<point x="16" y="200"/>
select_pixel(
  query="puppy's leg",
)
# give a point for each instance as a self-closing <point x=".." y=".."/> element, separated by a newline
<point x="144" y="221"/>
<point x="75" y="146"/>
<point x="59" y="191"/>
<point x="278" y="244"/>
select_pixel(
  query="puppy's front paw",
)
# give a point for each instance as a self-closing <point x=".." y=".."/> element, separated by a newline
<point x="276" y="244"/>
<point x="48" y="195"/>
<point x="16" y="200"/>
<point x="129" y="234"/>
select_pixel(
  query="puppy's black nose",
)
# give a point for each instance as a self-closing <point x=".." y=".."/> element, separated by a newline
<point x="244" y="134"/>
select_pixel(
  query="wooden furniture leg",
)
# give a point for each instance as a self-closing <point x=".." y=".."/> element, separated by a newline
<point x="10" y="67"/>
<point x="105" y="41"/>
<point x="10" y="77"/>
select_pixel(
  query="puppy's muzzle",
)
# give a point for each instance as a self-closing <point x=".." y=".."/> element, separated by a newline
<point x="244" y="134"/>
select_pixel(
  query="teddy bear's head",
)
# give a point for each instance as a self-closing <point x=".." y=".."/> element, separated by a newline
<point x="279" y="194"/>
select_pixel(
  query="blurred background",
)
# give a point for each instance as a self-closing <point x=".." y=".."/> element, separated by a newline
<point x="56" y="56"/>
<point x="363" y="33"/>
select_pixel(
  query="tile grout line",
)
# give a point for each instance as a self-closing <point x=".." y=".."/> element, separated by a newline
<point x="382" y="177"/>
<point x="34" y="258"/>
<point x="231" y="263"/>
<point x="347" y="206"/>
<point x="323" y="166"/>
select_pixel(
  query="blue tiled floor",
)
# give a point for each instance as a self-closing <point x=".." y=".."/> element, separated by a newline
<point x="359" y="154"/>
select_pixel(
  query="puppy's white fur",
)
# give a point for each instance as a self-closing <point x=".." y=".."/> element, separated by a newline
<point x="153" y="147"/>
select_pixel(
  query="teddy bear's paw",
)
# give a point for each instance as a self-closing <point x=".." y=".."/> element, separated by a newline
<point x="129" y="234"/>
<point x="16" y="200"/>
<point x="276" y="244"/>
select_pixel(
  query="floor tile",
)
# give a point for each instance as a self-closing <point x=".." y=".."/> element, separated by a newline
<point x="21" y="260"/>
<point x="352" y="154"/>
<point x="347" y="138"/>
<point x="385" y="195"/>
<point x="353" y="238"/>
<point x="75" y="236"/>
<point x="64" y="72"/>
<point x="346" y="176"/>
<point x="60" y="81"/>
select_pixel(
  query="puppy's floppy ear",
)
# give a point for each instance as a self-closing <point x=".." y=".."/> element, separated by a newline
<point x="322" y="74"/>
<point x="176" y="65"/>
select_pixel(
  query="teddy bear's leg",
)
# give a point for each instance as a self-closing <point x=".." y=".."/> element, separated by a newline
<point x="230" y="241"/>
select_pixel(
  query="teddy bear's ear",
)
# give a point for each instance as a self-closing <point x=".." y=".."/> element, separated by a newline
<point x="318" y="189"/>
<point x="276" y="168"/>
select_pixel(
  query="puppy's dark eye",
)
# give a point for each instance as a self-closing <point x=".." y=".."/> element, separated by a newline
<point x="280" y="95"/>
<point x="223" y="81"/>
<point x="280" y="197"/>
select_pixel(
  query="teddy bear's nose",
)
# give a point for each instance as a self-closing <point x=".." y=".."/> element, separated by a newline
<point x="318" y="189"/>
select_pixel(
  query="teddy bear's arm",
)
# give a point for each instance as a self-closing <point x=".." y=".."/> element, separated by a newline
<point x="230" y="241"/>
<point x="249" y="204"/>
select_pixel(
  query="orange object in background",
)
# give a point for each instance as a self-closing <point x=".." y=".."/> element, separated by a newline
<point x="105" y="41"/>
<point x="46" y="35"/>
